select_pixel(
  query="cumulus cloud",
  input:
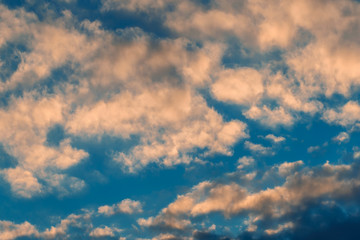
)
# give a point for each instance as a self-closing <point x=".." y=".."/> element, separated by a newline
<point x="164" y="90"/>
<point x="274" y="26"/>
<point x="22" y="182"/>
<point x="23" y="128"/>
<point x="270" y="117"/>
<point x="10" y="230"/>
<point x="202" y="129"/>
<point x="63" y="229"/>
<point x="258" y="148"/>
<point x="288" y="168"/>
<point x="300" y="188"/>
<point x="342" y="137"/>
<point x="245" y="161"/>
<point x="274" y="138"/>
<point x="312" y="149"/>
<point x="73" y="226"/>
<point x="280" y="228"/>
<point x="164" y="222"/>
<point x="165" y="236"/>
<point x="14" y="23"/>
<point x="126" y="88"/>
<point x="134" y="5"/>
<point x="127" y="206"/>
<point x="103" y="232"/>
<point x="241" y="86"/>
<point x="346" y="115"/>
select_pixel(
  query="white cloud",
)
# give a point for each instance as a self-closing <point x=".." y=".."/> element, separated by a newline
<point x="124" y="85"/>
<point x="288" y="168"/>
<point x="62" y="229"/>
<point x="245" y="161"/>
<point x="342" y="137"/>
<point x="270" y="117"/>
<point x="258" y="148"/>
<point x="165" y="236"/>
<point x="280" y="228"/>
<point x="22" y="182"/>
<point x="346" y="115"/>
<point x="165" y="222"/>
<point x="102" y="232"/>
<point x="10" y="230"/>
<point x="131" y="84"/>
<point x="134" y="5"/>
<point x="312" y="149"/>
<point x="52" y="46"/>
<point x="14" y="23"/>
<point x="127" y="206"/>
<point x="321" y="46"/>
<point x="186" y="123"/>
<point x="233" y="199"/>
<point x="242" y="86"/>
<point x="23" y="128"/>
<point x="274" y="138"/>
<point x="202" y="129"/>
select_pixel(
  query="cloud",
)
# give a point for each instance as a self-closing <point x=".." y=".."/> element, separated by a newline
<point x="242" y="86"/>
<point x="245" y="161"/>
<point x="164" y="222"/>
<point x="14" y="23"/>
<point x="128" y="83"/>
<point x="102" y="232"/>
<point x="10" y="230"/>
<point x="270" y="117"/>
<point x="267" y="205"/>
<point x="288" y="168"/>
<point x="346" y="115"/>
<point x="342" y="137"/>
<point x="22" y="182"/>
<point x="312" y="149"/>
<point x="133" y="5"/>
<point x="165" y="236"/>
<point x="63" y="229"/>
<point x="23" y="128"/>
<point x="258" y="148"/>
<point x="317" y="48"/>
<point x="50" y="46"/>
<point x="126" y="206"/>
<point x="202" y="129"/>
<point x="280" y="228"/>
<point x="274" y="138"/>
<point x="136" y="85"/>
<point x="73" y="226"/>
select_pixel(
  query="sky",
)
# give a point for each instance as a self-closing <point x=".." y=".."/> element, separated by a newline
<point x="169" y="120"/>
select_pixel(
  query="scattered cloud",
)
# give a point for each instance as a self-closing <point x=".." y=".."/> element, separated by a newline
<point x="148" y="86"/>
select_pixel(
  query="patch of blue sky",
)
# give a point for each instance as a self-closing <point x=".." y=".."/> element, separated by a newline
<point x="10" y="57"/>
<point x="119" y="19"/>
<point x="237" y="55"/>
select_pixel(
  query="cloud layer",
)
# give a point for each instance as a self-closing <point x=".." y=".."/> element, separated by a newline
<point x="223" y="119"/>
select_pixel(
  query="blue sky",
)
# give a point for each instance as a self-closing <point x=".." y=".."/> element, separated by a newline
<point x="165" y="119"/>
